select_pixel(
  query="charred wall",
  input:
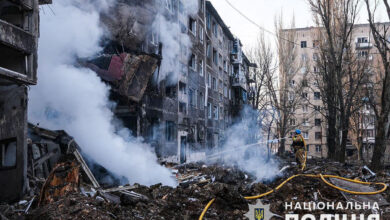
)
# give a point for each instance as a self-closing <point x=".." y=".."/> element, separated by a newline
<point x="19" y="31"/>
<point x="13" y="131"/>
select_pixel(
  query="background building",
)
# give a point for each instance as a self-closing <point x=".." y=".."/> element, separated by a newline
<point x="309" y="117"/>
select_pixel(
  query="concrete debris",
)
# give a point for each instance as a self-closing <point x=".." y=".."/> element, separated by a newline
<point x="198" y="184"/>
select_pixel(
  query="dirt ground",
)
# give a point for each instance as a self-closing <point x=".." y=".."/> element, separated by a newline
<point x="198" y="184"/>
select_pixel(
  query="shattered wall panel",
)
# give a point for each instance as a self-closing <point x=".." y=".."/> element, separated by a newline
<point x="138" y="71"/>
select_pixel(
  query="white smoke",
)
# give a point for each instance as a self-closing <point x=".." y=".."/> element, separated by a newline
<point x="76" y="100"/>
<point x="245" y="147"/>
<point x="176" y="43"/>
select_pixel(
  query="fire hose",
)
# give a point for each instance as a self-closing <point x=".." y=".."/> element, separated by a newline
<point x="322" y="177"/>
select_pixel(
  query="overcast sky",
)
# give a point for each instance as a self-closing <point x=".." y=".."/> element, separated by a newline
<point x="263" y="12"/>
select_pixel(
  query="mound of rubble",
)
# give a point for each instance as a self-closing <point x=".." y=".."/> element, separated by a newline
<point x="66" y="195"/>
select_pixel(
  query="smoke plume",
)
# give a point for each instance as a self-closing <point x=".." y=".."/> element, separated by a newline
<point x="245" y="147"/>
<point x="75" y="99"/>
<point x="175" y="40"/>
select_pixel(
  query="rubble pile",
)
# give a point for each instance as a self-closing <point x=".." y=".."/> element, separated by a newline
<point x="198" y="184"/>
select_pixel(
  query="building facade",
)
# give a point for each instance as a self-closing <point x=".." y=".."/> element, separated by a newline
<point x="19" y="32"/>
<point x="309" y="117"/>
<point x="188" y="113"/>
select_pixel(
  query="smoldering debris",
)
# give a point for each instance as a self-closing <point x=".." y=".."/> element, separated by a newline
<point x="88" y="117"/>
<point x="198" y="184"/>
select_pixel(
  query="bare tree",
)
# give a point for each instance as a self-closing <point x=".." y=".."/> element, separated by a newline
<point x="341" y="72"/>
<point x="286" y="95"/>
<point x="380" y="98"/>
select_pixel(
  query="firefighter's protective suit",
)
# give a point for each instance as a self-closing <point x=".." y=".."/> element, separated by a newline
<point x="298" y="145"/>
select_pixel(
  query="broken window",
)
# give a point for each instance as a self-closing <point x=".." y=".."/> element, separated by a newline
<point x="170" y="91"/>
<point x="215" y="29"/>
<point x="201" y="100"/>
<point x="208" y="20"/>
<point x="317" y="122"/>
<point x="292" y="121"/>
<point x="215" y="57"/>
<point x="317" y="108"/>
<point x="8" y="153"/>
<point x="208" y="52"/>
<point x="318" y="135"/>
<point x="192" y="62"/>
<point x="209" y="111"/>
<point x="192" y="97"/>
<point x="201" y="5"/>
<point x="183" y="107"/>
<point x="192" y="25"/>
<point x="13" y="14"/>
<point x="318" y="148"/>
<point x="209" y="80"/>
<point x="215" y="113"/>
<point x="15" y="60"/>
<point x="304" y="95"/>
<point x="201" y="68"/>
<point x="182" y="88"/>
<point x="214" y="84"/>
<point x="201" y="34"/>
<point x="170" y="131"/>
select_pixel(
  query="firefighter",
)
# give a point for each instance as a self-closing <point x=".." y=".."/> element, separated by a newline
<point x="298" y="145"/>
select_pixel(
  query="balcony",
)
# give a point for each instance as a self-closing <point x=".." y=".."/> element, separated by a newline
<point x="365" y="45"/>
<point x="16" y="37"/>
<point x="239" y="82"/>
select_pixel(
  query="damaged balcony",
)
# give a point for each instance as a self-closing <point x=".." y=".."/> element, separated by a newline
<point x="18" y="41"/>
<point x="128" y="73"/>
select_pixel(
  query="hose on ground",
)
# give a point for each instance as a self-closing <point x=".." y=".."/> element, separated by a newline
<point x="322" y="177"/>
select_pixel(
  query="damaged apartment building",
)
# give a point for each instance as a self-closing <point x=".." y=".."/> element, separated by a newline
<point x="19" y="32"/>
<point x="192" y="112"/>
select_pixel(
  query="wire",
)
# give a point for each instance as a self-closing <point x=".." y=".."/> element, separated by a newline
<point x="262" y="28"/>
<point x="270" y="32"/>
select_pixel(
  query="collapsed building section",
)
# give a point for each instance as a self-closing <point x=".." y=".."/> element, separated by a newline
<point x="191" y="111"/>
<point x="19" y="31"/>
